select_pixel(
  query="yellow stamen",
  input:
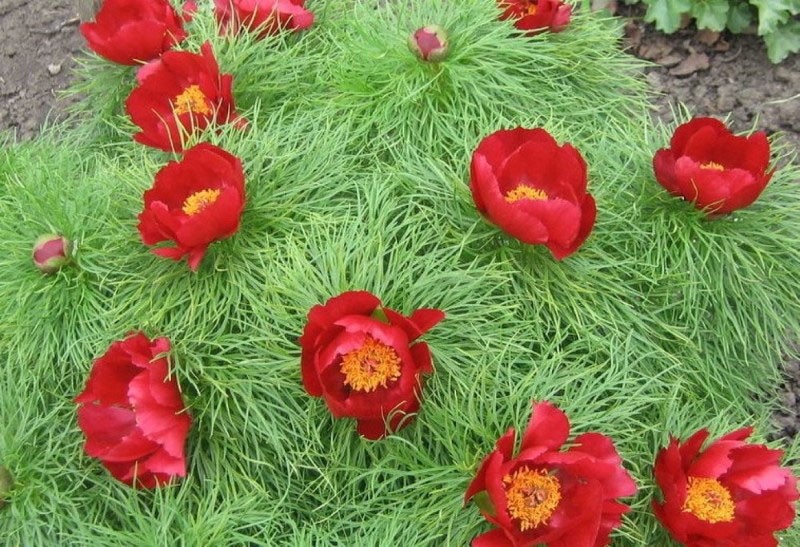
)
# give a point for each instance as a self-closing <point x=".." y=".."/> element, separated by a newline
<point x="372" y="365"/>
<point x="714" y="166"/>
<point x="709" y="500"/>
<point x="192" y="100"/>
<point x="524" y="191"/>
<point x="199" y="200"/>
<point x="532" y="496"/>
<point x="532" y="9"/>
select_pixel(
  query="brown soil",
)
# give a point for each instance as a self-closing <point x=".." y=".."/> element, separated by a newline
<point x="715" y="75"/>
<point x="38" y="41"/>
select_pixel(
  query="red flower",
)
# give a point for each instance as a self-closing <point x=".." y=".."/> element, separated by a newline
<point x="130" y="32"/>
<point x="178" y="95"/>
<point x="133" y="415"/>
<point x="533" y="189"/>
<point x="713" y="168"/>
<point x="361" y="357"/>
<point x="193" y="202"/>
<point x="266" y="16"/>
<point x="537" y="15"/>
<point x="546" y="495"/>
<point x="732" y="494"/>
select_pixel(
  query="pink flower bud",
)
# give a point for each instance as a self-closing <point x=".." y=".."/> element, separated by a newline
<point x="429" y="43"/>
<point x="51" y="252"/>
<point x="6" y="483"/>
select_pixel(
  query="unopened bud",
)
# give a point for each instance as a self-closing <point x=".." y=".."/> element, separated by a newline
<point x="51" y="252"/>
<point x="429" y="43"/>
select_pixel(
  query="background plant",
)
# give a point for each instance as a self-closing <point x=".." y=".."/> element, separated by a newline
<point x="775" y="21"/>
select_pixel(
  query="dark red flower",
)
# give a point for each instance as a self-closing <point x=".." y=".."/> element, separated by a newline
<point x="266" y="16"/>
<point x="708" y="165"/>
<point x="533" y="189"/>
<point x="537" y="15"/>
<point x="51" y="252"/>
<point x="131" y="32"/>
<point x="546" y="495"/>
<point x="730" y="494"/>
<point x="133" y="415"/>
<point x="193" y="202"/>
<point x="429" y="43"/>
<point x="178" y="95"/>
<point x="363" y="359"/>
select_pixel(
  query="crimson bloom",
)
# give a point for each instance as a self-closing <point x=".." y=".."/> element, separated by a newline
<point x="133" y="415"/>
<point x="364" y="360"/>
<point x="533" y="189"/>
<point x="266" y="16"/>
<point x="130" y="32"/>
<point x="547" y="495"/>
<point x="708" y="165"/>
<point x="730" y="494"/>
<point x="537" y="16"/>
<point x="178" y="95"/>
<point x="193" y="202"/>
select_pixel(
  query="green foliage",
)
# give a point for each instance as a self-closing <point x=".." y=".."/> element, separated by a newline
<point x="776" y="20"/>
<point x="357" y="159"/>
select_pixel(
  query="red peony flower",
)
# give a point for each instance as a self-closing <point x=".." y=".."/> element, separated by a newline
<point x="178" y="95"/>
<point x="193" y="202"/>
<point x="713" y="168"/>
<point x="133" y="415"/>
<point x="549" y="496"/>
<point x="537" y="15"/>
<point x="266" y="16"/>
<point x="130" y="32"/>
<point x="533" y="189"/>
<point x="731" y="494"/>
<point x="362" y="358"/>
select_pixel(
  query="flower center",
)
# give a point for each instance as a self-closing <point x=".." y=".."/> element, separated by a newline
<point x="192" y="100"/>
<point x="532" y="496"/>
<point x="709" y="500"/>
<point x="523" y="191"/>
<point x="714" y="166"/>
<point x="198" y="201"/>
<point x="372" y="365"/>
<point x="532" y="7"/>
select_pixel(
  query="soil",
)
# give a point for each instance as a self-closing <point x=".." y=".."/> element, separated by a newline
<point x="714" y="74"/>
<point x="38" y="42"/>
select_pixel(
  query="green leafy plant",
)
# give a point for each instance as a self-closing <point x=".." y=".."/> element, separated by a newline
<point x="775" y="20"/>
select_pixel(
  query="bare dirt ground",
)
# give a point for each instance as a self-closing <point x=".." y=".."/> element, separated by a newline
<point x="714" y="75"/>
<point x="38" y="41"/>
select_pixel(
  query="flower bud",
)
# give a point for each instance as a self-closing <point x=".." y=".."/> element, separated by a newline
<point x="429" y="43"/>
<point x="6" y="483"/>
<point x="51" y="252"/>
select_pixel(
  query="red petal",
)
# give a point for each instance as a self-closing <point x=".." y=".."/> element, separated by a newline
<point x="547" y="427"/>
<point x="686" y="131"/>
<point x="493" y="538"/>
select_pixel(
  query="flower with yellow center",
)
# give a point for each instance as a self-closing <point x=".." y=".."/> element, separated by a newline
<point x="192" y="99"/>
<point x="523" y="191"/>
<point x="198" y="201"/>
<point x="709" y="500"/>
<point x="531" y="496"/>
<point x="372" y="365"/>
<point x="713" y="166"/>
